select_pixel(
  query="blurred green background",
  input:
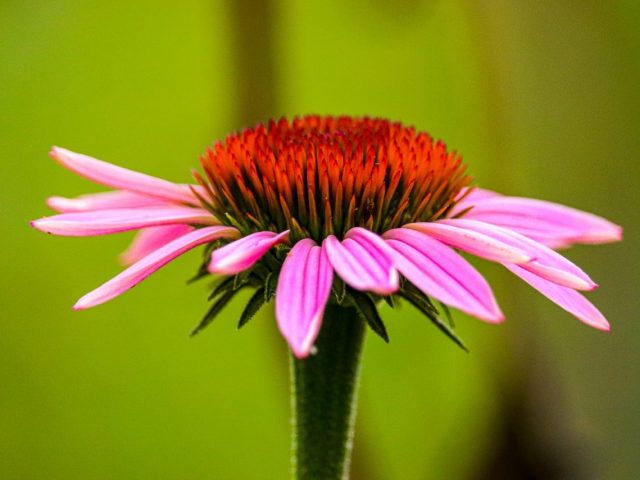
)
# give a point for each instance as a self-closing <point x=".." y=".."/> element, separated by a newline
<point x="540" y="97"/>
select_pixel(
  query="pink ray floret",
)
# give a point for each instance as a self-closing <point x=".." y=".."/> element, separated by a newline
<point x="443" y="274"/>
<point x="380" y="250"/>
<point x="151" y="239"/>
<point x="303" y="290"/>
<point x="152" y="262"/>
<point x="103" y="222"/>
<point x="547" y="263"/>
<point x="476" y="243"/>
<point x="362" y="263"/>
<point x="568" y="299"/>
<point x="244" y="253"/>
<point x="546" y="222"/>
<point x="121" y="178"/>
<point x="103" y="201"/>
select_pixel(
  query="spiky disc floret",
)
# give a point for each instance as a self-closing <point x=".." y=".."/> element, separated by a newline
<point x="318" y="176"/>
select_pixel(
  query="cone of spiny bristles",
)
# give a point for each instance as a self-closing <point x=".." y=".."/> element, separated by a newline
<point x="317" y="176"/>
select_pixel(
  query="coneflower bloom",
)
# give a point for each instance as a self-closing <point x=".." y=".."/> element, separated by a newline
<point x="333" y="209"/>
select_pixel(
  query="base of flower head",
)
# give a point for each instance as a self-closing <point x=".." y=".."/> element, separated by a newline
<point x="263" y="278"/>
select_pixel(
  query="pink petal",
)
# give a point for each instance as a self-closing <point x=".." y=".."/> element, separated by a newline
<point x="363" y="262"/>
<point x="566" y="298"/>
<point x="151" y="239"/>
<point x="152" y="262"/>
<point x="440" y="272"/>
<point x="475" y="243"/>
<point x="303" y="289"/>
<point x="102" y="222"/>
<point x="547" y="222"/>
<point x="243" y="253"/>
<point x="378" y="249"/>
<point x="121" y="178"/>
<point x="547" y="264"/>
<point x="103" y="201"/>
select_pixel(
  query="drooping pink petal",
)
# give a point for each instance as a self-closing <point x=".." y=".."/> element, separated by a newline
<point x="103" y="201"/>
<point x="548" y="264"/>
<point x="363" y="263"/>
<point x="380" y="251"/>
<point x="303" y="289"/>
<point x="103" y="222"/>
<point x="478" y="244"/>
<point x="121" y="178"/>
<point x="440" y="272"/>
<point x="151" y="239"/>
<point x="243" y="253"/>
<point x="568" y="299"/>
<point x="546" y="222"/>
<point x="152" y="262"/>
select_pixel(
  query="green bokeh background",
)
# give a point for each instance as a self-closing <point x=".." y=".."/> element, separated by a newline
<point x="540" y="97"/>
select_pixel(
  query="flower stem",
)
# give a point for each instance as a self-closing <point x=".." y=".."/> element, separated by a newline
<point x="324" y="397"/>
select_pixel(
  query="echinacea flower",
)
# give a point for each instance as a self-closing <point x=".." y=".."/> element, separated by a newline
<point x="333" y="209"/>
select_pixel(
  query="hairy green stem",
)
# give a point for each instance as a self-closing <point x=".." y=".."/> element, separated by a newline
<point x="324" y="397"/>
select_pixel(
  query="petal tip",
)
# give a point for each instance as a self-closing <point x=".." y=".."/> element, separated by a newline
<point x="58" y="153"/>
<point x="40" y="224"/>
<point x="300" y="353"/>
<point x="80" y="305"/>
<point x="242" y="254"/>
<point x="492" y="314"/>
<point x="55" y="203"/>
<point x="494" y="318"/>
<point x="389" y="290"/>
<point x="617" y="233"/>
<point x="586" y="285"/>
<point x="305" y="348"/>
<point x="87" y="301"/>
<point x="282" y="235"/>
<point x="391" y="287"/>
<point x="598" y="322"/>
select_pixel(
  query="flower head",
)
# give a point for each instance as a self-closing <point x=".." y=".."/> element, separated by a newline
<point x="333" y="209"/>
<point x="322" y="176"/>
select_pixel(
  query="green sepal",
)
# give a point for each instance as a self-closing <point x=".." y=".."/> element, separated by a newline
<point x="422" y="303"/>
<point x="225" y="284"/>
<point x="260" y="272"/>
<point x="426" y="304"/>
<point x="339" y="290"/>
<point x="447" y="314"/>
<point x="270" y="285"/>
<point x="241" y="278"/>
<point x="234" y="222"/>
<point x="215" y="309"/>
<point x="254" y="304"/>
<point x="202" y="272"/>
<point x="390" y="300"/>
<point x="367" y="309"/>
